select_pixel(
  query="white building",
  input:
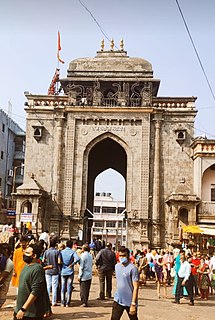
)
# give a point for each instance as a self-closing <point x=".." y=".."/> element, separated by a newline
<point x="109" y="219"/>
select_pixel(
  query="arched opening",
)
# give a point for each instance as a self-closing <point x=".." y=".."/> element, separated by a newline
<point x="208" y="184"/>
<point x="182" y="217"/>
<point x="106" y="154"/>
<point x="26" y="207"/>
<point x="109" y="223"/>
<point x="112" y="182"/>
<point x="26" y="223"/>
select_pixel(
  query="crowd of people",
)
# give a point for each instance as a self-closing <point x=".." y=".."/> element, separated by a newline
<point x="43" y="271"/>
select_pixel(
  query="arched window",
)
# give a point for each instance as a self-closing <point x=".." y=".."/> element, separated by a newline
<point x="183" y="217"/>
<point x="26" y="207"/>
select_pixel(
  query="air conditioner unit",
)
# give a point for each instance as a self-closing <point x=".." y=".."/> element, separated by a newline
<point x="10" y="173"/>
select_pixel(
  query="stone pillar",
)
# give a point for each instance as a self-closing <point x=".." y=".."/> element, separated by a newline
<point x="156" y="187"/>
<point x="197" y="177"/>
<point x="57" y="159"/>
<point x="69" y="162"/>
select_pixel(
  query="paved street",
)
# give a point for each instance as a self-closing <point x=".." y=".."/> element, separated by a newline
<point x="150" y="307"/>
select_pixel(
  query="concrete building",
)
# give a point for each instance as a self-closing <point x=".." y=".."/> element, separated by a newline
<point x="12" y="153"/>
<point x="204" y="179"/>
<point x="109" y="219"/>
<point x="109" y="116"/>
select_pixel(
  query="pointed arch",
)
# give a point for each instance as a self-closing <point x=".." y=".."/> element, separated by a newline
<point x="105" y="151"/>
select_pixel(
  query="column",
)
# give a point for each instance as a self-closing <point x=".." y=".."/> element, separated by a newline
<point x="156" y="187"/>
<point x="57" y="159"/>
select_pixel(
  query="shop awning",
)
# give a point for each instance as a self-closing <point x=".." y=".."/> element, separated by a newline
<point x="192" y="229"/>
<point x="208" y="231"/>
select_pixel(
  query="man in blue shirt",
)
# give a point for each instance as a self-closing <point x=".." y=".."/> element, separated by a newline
<point x="85" y="274"/>
<point x="69" y="258"/>
<point x="52" y="258"/>
<point x="127" y="281"/>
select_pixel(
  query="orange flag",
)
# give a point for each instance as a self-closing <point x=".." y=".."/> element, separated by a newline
<point x="59" y="48"/>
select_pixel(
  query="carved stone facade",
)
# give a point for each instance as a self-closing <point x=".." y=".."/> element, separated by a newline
<point x="109" y="116"/>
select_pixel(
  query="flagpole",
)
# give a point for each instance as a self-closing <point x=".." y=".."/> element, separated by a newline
<point x="58" y="54"/>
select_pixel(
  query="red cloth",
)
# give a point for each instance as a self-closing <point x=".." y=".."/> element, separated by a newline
<point x="194" y="265"/>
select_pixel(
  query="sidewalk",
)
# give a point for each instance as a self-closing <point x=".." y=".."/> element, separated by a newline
<point x="150" y="307"/>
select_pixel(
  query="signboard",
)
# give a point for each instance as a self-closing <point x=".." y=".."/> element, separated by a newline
<point x="11" y="213"/>
<point x="26" y="217"/>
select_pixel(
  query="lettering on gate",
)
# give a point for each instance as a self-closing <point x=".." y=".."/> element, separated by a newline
<point x="108" y="128"/>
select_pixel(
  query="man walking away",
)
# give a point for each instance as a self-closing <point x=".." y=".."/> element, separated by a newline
<point x="52" y="258"/>
<point x="69" y="259"/>
<point x="85" y="274"/>
<point x="127" y="282"/>
<point x="105" y="261"/>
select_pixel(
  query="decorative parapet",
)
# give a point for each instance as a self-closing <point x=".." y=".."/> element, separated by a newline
<point x="142" y="100"/>
<point x="203" y="147"/>
<point x="187" y="103"/>
<point x="46" y="101"/>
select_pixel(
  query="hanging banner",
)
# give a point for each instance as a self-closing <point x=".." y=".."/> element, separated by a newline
<point x="26" y="217"/>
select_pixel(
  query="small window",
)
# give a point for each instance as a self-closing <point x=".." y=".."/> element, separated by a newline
<point x="38" y="131"/>
<point x="96" y="209"/>
<point x="108" y="209"/>
<point x="181" y="135"/>
<point x="213" y="192"/>
<point x="110" y="224"/>
<point x="2" y="154"/>
<point x="3" y="127"/>
<point x="98" y="224"/>
<point x="0" y="182"/>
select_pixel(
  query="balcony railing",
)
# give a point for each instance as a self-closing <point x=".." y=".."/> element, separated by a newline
<point x="207" y="208"/>
<point x="109" y="102"/>
<point x="135" y="102"/>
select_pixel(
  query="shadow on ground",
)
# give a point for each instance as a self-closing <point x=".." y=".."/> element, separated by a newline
<point x="79" y="315"/>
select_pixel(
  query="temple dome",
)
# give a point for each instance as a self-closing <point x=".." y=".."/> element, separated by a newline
<point x="109" y="62"/>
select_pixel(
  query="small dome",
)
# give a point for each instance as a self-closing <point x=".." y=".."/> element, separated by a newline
<point x="107" y="62"/>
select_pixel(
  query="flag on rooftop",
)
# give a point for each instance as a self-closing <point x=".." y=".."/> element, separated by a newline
<point x="59" y="48"/>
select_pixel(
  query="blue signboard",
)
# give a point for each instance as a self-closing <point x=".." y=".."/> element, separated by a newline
<point x="11" y="213"/>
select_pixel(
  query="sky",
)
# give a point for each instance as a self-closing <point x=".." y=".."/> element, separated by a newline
<point x="151" y="29"/>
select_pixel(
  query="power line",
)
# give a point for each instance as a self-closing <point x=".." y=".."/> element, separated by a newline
<point x="14" y="114"/>
<point x="203" y="108"/>
<point x="193" y="44"/>
<point x="93" y="17"/>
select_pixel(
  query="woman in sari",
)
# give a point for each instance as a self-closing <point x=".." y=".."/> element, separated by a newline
<point x="143" y="265"/>
<point x="203" y="279"/>
<point x="161" y="276"/>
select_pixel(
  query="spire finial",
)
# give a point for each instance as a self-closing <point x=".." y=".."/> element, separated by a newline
<point x="112" y="45"/>
<point x="102" y="44"/>
<point x="122" y="45"/>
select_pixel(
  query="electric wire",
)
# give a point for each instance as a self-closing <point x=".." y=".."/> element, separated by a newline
<point x="93" y="17"/>
<point x="195" y="49"/>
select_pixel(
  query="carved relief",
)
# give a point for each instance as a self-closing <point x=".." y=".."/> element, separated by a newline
<point x="146" y="94"/>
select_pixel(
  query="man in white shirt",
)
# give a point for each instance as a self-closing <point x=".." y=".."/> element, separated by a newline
<point x="212" y="262"/>
<point x="45" y="236"/>
<point x="184" y="279"/>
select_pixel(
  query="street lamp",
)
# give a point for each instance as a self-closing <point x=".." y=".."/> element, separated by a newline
<point x="14" y="176"/>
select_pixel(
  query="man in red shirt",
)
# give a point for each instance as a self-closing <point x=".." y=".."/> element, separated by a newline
<point x="195" y="262"/>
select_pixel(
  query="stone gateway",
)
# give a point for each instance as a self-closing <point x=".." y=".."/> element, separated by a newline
<point x="109" y="116"/>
